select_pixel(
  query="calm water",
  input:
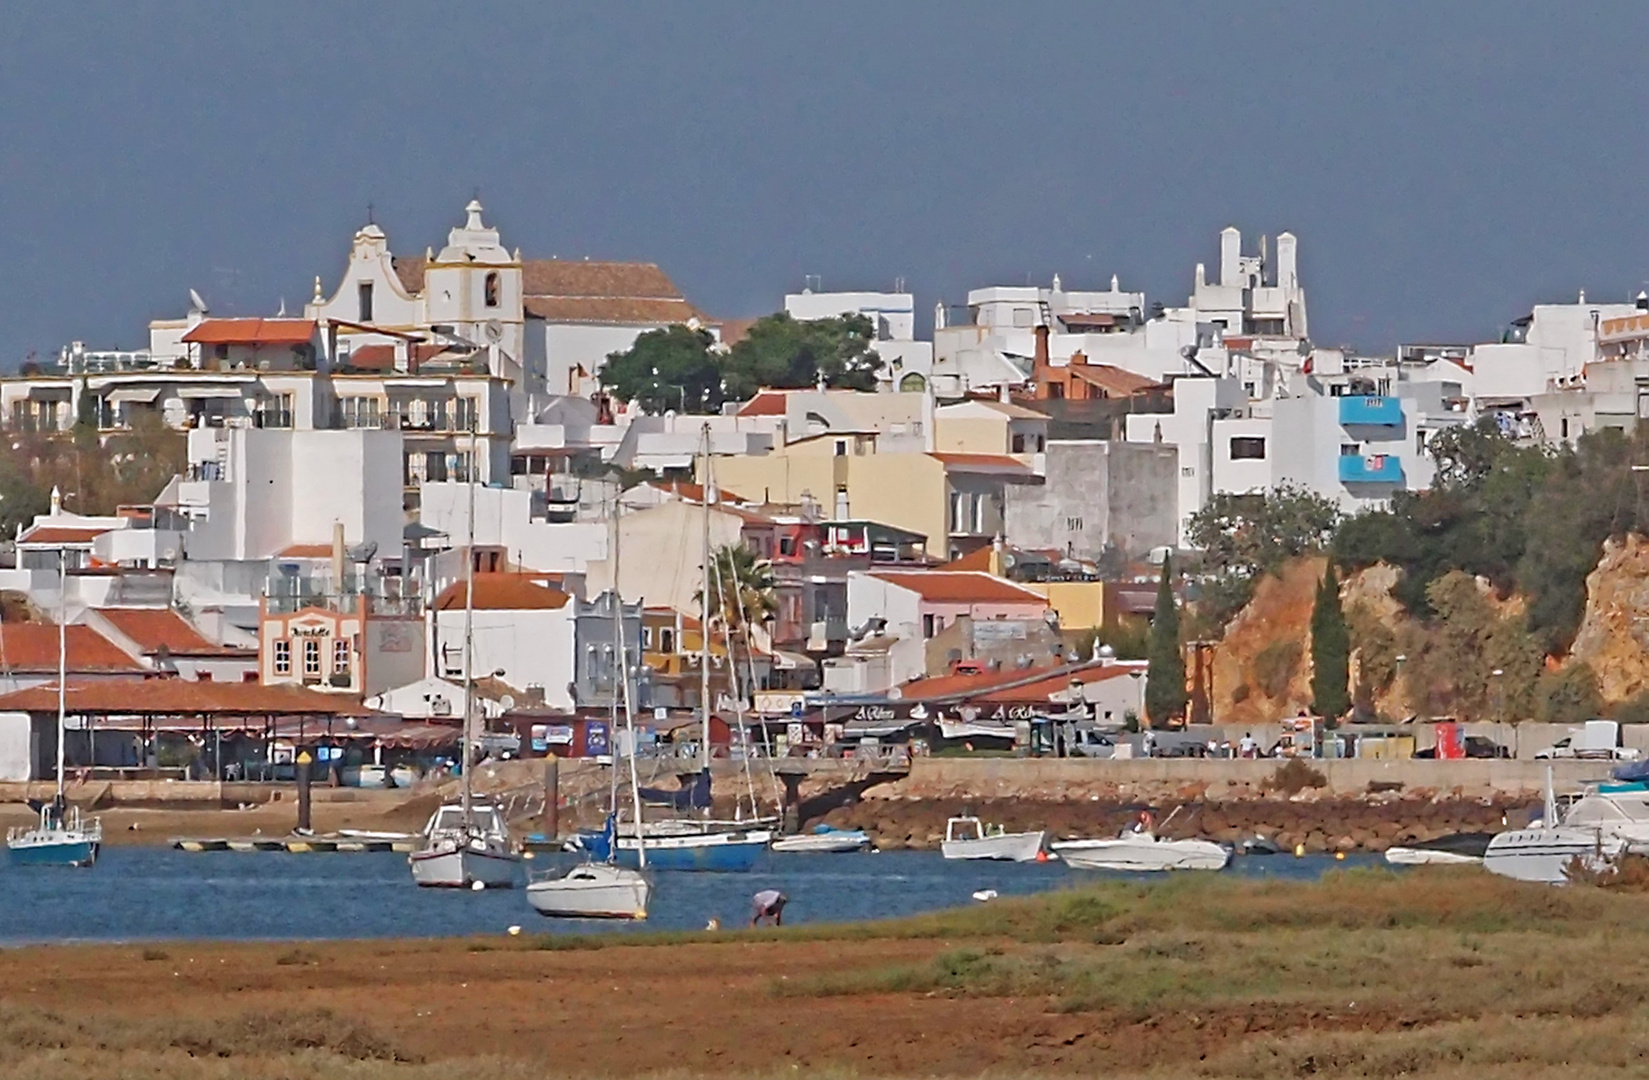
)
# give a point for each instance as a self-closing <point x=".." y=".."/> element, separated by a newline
<point x="142" y="893"/>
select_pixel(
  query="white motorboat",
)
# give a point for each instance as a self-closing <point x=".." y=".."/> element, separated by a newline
<point x="824" y="840"/>
<point x="1456" y="849"/>
<point x="463" y="848"/>
<point x="1607" y="822"/>
<point x="966" y="838"/>
<point x="1142" y="851"/>
<point x="592" y="891"/>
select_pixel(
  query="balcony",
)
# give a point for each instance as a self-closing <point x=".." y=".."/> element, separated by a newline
<point x="1371" y="469"/>
<point x="1371" y="409"/>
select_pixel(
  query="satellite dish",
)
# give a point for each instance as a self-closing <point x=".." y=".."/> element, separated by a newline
<point x="363" y="552"/>
<point x="494" y="330"/>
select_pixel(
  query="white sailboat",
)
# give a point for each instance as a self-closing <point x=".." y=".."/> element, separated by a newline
<point x="605" y="890"/>
<point x="61" y="837"/>
<point x="1606" y="823"/>
<point x="467" y="845"/>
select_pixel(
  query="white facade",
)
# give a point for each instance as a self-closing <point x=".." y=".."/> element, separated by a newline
<point x="523" y="648"/>
<point x="903" y="644"/>
<point x="503" y="518"/>
<point x="251" y="493"/>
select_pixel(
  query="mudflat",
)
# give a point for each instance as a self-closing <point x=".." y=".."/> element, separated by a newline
<point x="1433" y="974"/>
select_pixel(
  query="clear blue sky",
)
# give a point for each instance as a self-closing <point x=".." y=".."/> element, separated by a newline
<point x="1444" y="165"/>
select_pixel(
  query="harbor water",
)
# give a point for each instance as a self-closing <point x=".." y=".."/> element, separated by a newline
<point x="136" y="894"/>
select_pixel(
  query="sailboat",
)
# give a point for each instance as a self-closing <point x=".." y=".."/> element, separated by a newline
<point x="603" y="889"/>
<point x="719" y="846"/>
<point x="467" y="844"/>
<point x="60" y="838"/>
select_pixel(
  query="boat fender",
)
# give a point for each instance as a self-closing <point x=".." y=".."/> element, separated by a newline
<point x="1340" y="856"/>
<point x="1299" y="851"/>
<point x="515" y="931"/>
<point x="1041" y="856"/>
<point x="477" y="886"/>
<point x="984" y="895"/>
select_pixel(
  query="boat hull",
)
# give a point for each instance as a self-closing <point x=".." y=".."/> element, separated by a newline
<point x="1415" y="856"/>
<point x="724" y="853"/>
<point x="1542" y="854"/>
<point x="76" y="851"/>
<point x="1005" y="847"/>
<point x="463" y="868"/>
<point x="1142" y="855"/>
<point x="831" y="843"/>
<point x="592" y="892"/>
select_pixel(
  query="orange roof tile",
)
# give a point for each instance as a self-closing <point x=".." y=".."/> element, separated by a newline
<point x="503" y="592"/>
<point x="180" y="696"/>
<point x="1113" y="380"/>
<point x="251" y="332"/>
<point x="959" y="587"/>
<point x="765" y="403"/>
<point x="609" y="309"/>
<point x="33" y="647"/>
<point x="381" y="357"/>
<point x="990" y="462"/>
<point x="978" y="559"/>
<point x="689" y="490"/>
<point x="154" y="629"/>
<point x="63" y="534"/>
<point x="306" y="551"/>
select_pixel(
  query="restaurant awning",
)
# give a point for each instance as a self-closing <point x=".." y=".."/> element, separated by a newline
<point x="139" y="395"/>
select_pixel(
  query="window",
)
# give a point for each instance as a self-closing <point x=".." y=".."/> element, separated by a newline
<point x="1022" y="316"/>
<point x="787" y="545"/>
<point x="1563" y="428"/>
<point x="465" y="414"/>
<point x="929" y="626"/>
<point x="841" y="447"/>
<point x="491" y="289"/>
<point x="1350" y="449"/>
<point x="283" y="657"/>
<point x="1420" y="440"/>
<point x="1188" y="470"/>
<point x="363" y="294"/>
<point x="340" y="656"/>
<point x="1056" y="390"/>
<point x="1018" y="443"/>
<point x="666" y="639"/>
<point x="1041" y="444"/>
<point x="1247" y="448"/>
<point x="311" y="658"/>
<point x="647" y="638"/>
<point x="1073" y="524"/>
<point x="978" y="513"/>
<point x="1337" y="390"/>
<point x="958" y="510"/>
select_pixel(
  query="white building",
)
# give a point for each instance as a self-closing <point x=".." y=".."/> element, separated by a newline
<point x="892" y="317"/>
<point x="522" y="635"/>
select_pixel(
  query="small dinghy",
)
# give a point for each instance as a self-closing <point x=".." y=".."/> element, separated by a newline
<point x="966" y="838"/>
<point x="1456" y="849"/>
<point x="824" y="840"/>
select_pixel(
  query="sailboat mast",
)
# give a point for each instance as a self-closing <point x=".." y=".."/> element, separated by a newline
<point x="62" y="661"/>
<point x="618" y="643"/>
<point x="704" y="610"/>
<point x="629" y="710"/>
<point x="469" y="637"/>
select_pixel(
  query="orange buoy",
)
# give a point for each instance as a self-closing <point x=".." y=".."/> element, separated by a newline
<point x="1041" y="856"/>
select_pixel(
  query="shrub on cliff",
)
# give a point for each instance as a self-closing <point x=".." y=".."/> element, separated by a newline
<point x="1570" y="696"/>
<point x="1243" y="537"/>
<point x="1165" y="693"/>
<point x="1330" y="651"/>
<point x="1274" y="667"/>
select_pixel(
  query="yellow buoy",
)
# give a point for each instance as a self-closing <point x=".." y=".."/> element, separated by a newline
<point x="1299" y="851"/>
<point x="1340" y="855"/>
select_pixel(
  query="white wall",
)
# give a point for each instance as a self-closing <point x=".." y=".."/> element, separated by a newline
<point x="14" y="746"/>
<point x="871" y="597"/>
<point x="530" y="648"/>
<point x="503" y="519"/>
<point x="893" y="315"/>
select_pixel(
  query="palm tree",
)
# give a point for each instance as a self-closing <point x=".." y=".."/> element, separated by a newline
<point x="741" y="596"/>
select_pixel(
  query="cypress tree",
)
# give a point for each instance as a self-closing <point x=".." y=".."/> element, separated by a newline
<point x="1165" y="678"/>
<point x="1330" y="651"/>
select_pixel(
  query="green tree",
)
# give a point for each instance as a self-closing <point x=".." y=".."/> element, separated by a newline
<point x="1570" y="696"/>
<point x="1245" y="536"/>
<point x="1165" y="693"/>
<point x="669" y="368"/>
<point x="1475" y="663"/>
<point x="1330" y="651"/>
<point x="786" y="353"/>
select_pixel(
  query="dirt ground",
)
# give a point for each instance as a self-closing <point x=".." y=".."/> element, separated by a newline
<point x="613" y="1011"/>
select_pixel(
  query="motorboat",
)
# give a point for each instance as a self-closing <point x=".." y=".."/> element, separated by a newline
<point x="967" y="838"/>
<point x="1141" y="851"/>
<point x="465" y="846"/>
<point x="592" y="891"/>
<point x="824" y="840"/>
<point x="1455" y="849"/>
<point x="1605" y="823"/>
<point x="61" y="838"/>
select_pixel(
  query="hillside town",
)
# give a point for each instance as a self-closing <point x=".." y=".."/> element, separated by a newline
<point x="953" y="540"/>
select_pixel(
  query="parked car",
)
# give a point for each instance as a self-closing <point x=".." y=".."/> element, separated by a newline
<point x="1598" y="740"/>
<point x="1476" y="746"/>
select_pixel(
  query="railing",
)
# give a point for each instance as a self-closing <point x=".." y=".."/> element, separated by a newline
<point x="1371" y="469"/>
<point x="1371" y="409"/>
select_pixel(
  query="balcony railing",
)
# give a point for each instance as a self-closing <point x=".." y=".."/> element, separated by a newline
<point x="1371" y="409"/>
<point x="1371" y="469"/>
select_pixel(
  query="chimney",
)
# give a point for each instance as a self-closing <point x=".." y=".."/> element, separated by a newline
<point x="1230" y="254"/>
<point x="1287" y="260"/>
<point x="1041" y="359"/>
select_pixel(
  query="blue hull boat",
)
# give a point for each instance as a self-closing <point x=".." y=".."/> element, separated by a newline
<point x="729" y="852"/>
<point x="67" y="852"/>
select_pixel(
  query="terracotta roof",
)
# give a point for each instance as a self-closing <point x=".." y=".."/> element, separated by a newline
<point x="765" y="403"/>
<point x="503" y="592"/>
<point x="609" y="309"/>
<point x="959" y="587"/>
<point x="1079" y="318"/>
<point x="689" y="490"/>
<point x="252" y="332"/>
<point x="734" y="331"/>
<point x="63" y="534"/>
<point x="382" y="357"/>
<point x="154" y="629"/>
<point x="411" y="272"/>
<point x="33" y="647"/>
<point x="978" y="559"/>
<point x="175" y="696"/>
<point x="569" y="278"/>
<point x="1113" y="380"/>
<point x="305" y="551"/>
<point x="981" y="462"/>
<point x="1014" y="685"/>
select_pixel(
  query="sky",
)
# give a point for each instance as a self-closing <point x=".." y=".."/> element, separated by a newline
<point x="1444" y="165"/>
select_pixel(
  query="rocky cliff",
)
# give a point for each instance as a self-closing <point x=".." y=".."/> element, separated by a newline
<point x="1262" y="666"/>
<point x="1614" y="632"/>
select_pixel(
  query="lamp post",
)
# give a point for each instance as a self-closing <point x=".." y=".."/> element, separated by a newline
<point x="1499" y="691"/>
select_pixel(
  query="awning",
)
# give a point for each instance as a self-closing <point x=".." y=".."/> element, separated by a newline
<point x="132" y="394"/>
<point x="50" y="393"/>
<point x="210" y="392"/>
<point x="791" y="661"/>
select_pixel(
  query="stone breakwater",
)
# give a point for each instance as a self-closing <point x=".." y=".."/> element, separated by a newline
<point x="1320" y="825"/>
